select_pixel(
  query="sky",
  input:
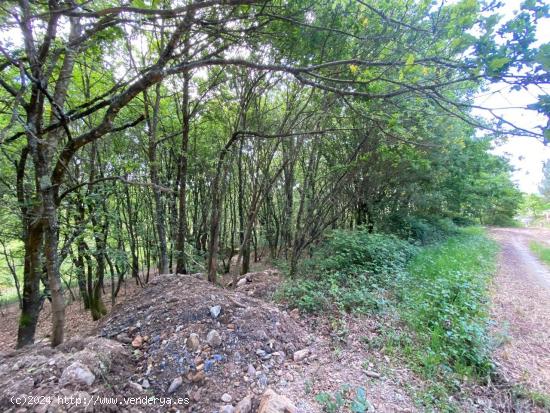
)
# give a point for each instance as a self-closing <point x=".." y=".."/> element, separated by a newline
<point x="525" y="154"/>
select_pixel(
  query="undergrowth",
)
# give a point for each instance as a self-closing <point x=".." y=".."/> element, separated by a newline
<point x="444" y="301"/>
<point x="439" y="293"/>
<point x="352" y="271"/>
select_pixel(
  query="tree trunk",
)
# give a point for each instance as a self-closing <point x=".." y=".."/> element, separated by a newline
<point x="152" y="121"/>
<point x="181" y="265"/>
<point x="31" y="286"/>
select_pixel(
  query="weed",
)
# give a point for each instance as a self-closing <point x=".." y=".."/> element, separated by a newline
<point x="346" y="397"/>
<point x="352" y="272"/>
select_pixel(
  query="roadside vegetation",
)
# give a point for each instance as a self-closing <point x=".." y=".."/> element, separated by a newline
<point x="542" y="251"/>
<point x="437" y="295"/>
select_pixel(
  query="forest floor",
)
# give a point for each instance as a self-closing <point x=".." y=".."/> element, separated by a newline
<point x="521" y="309"/>
<point x="245" y="343"/>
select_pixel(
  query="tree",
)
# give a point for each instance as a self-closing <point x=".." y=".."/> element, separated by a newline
<point x="544" y="187"/>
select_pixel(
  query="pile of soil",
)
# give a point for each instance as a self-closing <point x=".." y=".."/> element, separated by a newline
<point x="65" y="379"/>
<point x="78" y="320"/>
<point x="243" y="342"/>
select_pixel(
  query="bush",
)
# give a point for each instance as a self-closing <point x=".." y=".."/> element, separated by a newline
<point x="355" y="253"/>
<point x="423" y="230"/>
<point x="351" y="271"/>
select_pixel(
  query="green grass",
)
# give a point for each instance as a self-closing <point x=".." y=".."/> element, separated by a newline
<point x="536" y="398"/>
<point x="540" y="251"/>
<point x="433" y="300"/>
<point x="444" y="304"/>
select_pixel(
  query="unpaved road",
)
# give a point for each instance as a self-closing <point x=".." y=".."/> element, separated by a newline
<point x="521" y="309"/>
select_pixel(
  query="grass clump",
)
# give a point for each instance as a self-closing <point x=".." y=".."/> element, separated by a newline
<point x="540" y="251"/>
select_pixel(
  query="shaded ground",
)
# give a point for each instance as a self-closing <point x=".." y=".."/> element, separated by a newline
<point x="521" y="309"/>
<point x="78" y="321"/>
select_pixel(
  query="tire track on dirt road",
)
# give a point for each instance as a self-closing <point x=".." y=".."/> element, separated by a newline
<point x="521" y="309"/>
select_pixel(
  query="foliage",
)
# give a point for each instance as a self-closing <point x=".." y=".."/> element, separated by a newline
<point x="167" y="133"/>
<point x="439" y="293"/>
<point x="345" y="398"/>
<point x="351" y="271"/>
<point x="355" y="253"/>
<point x="544" y="187"/>
<point x="444" y="301"/>
<point x="419" y="229"/>
<point x="541" y="250"/>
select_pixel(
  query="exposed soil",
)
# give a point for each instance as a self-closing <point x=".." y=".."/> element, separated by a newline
<point x="258" y="341"/>
<point x="78" y="321"/>
<point x="521" y="309"/>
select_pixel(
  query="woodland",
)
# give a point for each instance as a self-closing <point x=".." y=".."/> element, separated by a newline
<point x="143" y="137"/>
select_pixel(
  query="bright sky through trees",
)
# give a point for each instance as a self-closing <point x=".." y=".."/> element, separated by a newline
<point x="525" y="154"/>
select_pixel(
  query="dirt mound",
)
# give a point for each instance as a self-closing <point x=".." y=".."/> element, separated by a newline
<point x="41" y="379"/>
<point x="194" y="340"/>
<point x="261" y="284"/>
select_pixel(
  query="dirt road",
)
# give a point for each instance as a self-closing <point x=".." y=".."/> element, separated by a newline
<point x="521" y="309"/>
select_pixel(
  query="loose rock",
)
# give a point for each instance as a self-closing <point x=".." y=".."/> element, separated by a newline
<point x="213" y="339"/>
<point x="215" y="311"/>
<point x="137" y="342"/>
<point x="226" y="398"/>
<point x="244" y="406"/>
<point x="300" y="355"/>
<point x="123" y="338"/>
<point x="136" y="386"/>
<point x="372" y="374"/>
<point x="176" y="383"/>
<point x="77" y="373"/>
<point x="193" y="342"/>
<point x="272" y="402"/>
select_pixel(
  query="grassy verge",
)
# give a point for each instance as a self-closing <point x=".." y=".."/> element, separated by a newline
<point x="444" y="304"/>
<point x="540" y="251"/>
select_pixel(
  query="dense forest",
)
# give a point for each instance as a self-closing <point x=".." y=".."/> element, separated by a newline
<point x="141" y="137"/>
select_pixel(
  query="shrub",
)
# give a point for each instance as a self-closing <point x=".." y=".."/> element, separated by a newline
<point x="351" y="271"/>
<point x="353" y="253"/>
<point x="423" y="230"/>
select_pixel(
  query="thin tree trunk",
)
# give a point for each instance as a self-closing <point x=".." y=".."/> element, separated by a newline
<point x="181" y="265"/>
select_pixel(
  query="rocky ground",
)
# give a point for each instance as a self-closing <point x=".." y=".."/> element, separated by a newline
<point x="215" y="349"/>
